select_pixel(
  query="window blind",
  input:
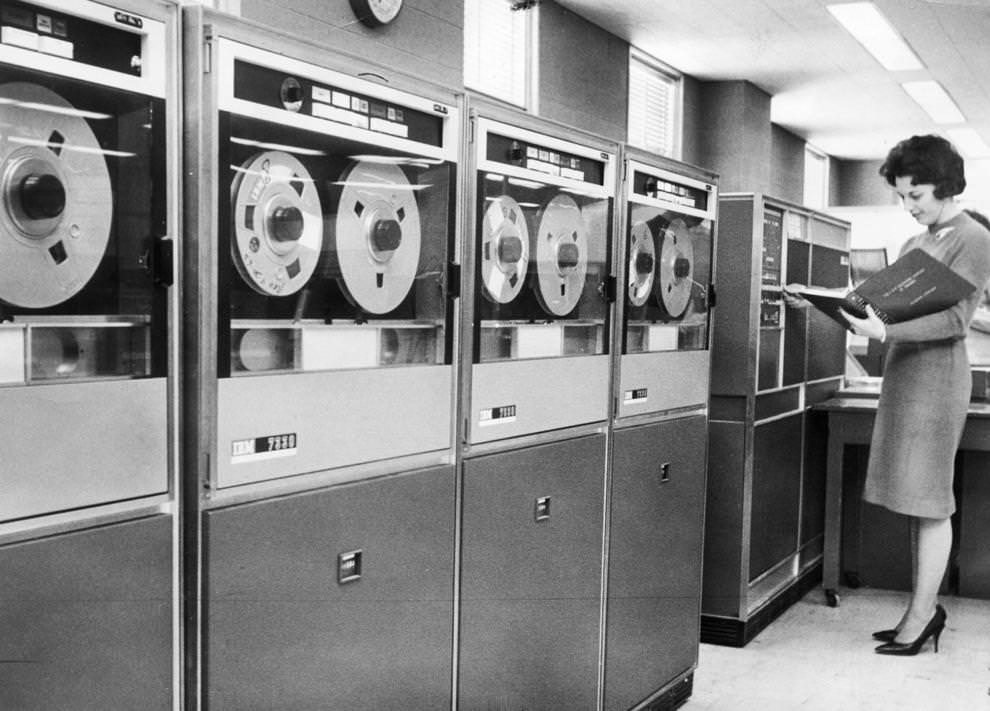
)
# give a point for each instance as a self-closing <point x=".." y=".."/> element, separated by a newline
<point x="815" y="179"/>
<point x="497" y="49"/>
<point x="653" y="109"/>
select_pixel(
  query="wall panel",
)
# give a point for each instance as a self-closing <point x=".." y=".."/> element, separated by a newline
<point x="735" y="136"/>
<point x="786" y="165"/>
<point x="425" y="40"/>
<point x="860" y="184"/>
<point x="583" y="75"/>
<point x="691" y="121"/>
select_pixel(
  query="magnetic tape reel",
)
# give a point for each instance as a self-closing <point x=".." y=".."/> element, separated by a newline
<point x="278" y="225"/>
<point x="642" y="263"/>
<point x="561" y="255"/>
<point x="504" y="250"/>
<point x="57" y="199"/>
<point x="676" y="269"/>
<point x="377" y="235"/>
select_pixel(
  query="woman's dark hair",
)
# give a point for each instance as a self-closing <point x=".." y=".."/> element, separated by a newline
<point x="926" y="159"/>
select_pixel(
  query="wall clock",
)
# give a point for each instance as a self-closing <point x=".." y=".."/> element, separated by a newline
<point x="375" y="13"/>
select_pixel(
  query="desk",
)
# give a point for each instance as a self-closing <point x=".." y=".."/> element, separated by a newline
<point x="850" y="422"/>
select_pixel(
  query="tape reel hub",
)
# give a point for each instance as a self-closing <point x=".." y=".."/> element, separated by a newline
<point x="278" y="228"/>
<point x="509" y="250"/>
<point x="504" y="250"/>
<point x="568" y="258"/>
<point x="34" y="193"/>
<point x="285" y="227"/>
<point x="384" y="231"/>
<point x="57" y="196"/>
<point x="42" y="197"/>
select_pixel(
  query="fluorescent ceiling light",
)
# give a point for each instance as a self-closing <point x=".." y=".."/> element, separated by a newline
<point x="864" y="22"/>
<point x="969" y="142"/>
<point x="933" y="98"/>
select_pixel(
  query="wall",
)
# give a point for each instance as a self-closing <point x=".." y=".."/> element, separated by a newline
<point x="734" y="135"/>
<point x="690" y="119"/>
<point x="786" y="165"/>
<point x="834" y="180"/>
<point x="860" y="184"/>
<point x="425" y="41"/>
<point x="583" y="73"/>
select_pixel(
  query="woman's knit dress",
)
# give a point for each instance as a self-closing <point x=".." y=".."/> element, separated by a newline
<point x="926" y="385"/>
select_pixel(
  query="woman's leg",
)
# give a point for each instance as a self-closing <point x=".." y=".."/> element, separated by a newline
<point x="913" y="547"/>
<point x="932" y="539"/>
<point x="913" y="534"/>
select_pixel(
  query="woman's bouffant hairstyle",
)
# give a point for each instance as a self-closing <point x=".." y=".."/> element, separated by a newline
<point x="927" y="159"/>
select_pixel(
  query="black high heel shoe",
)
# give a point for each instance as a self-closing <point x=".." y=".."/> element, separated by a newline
<point x="907" y="649"/>
<point x="885" y="635"/>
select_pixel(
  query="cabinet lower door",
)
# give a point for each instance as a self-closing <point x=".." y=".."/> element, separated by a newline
<point x="336" y="599"/>
<point x="86" y="619"/>
<point x="531" y="577"/>
<point x="655" y="552"/>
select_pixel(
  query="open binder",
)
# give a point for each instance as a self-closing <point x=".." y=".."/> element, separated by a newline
<point x="915" y="285"/>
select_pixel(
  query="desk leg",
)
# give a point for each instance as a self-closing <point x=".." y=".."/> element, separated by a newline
<point x="833" y="520"/>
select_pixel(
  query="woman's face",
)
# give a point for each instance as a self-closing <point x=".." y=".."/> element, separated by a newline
<point x="919" y="200"/>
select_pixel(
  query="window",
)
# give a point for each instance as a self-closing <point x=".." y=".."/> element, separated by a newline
<point x="815" y="178"/>
<point x="654" y="106"/>
<point x="499" y="41"/>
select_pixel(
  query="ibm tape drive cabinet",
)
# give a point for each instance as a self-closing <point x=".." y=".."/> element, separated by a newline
<point x="324" y="211"/>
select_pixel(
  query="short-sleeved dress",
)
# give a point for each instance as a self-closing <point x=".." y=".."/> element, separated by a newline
<point x="926" y="385"/>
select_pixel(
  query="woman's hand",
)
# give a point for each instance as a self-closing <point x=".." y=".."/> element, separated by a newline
<point x="871" y="326"/>
<point x="793" y="299"/>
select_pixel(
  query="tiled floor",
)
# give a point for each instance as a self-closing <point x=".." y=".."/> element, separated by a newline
<point x="821" y="658"/>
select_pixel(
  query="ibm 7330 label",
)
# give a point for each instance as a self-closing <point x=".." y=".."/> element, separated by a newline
<point x="639" y="395"/>
<point x="268" y="447"/>
<point x="497" y="416"/>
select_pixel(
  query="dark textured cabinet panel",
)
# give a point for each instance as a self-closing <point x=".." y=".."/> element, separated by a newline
<point x="733" y="329"/>
<point x="283" y="631"/>
<point x="776" y="492"/>
<point x="813" y="476"/>
<point x="531" y="577"/>
<point x="722" y="590"/>
<point x="974" y="519"/>
<point x="796" y="333"/>
<point x="655" y="549"/>
<point x="86" y="620"/>
<point x="826" y="338"/>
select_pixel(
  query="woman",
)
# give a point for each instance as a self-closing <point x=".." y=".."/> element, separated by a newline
<point x="926" y="382"/>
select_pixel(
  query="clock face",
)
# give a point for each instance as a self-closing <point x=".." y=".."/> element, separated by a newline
<point x="376" y="12"/>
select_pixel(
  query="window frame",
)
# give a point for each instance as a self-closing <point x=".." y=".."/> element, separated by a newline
<point x="674" y="126"/>
<point x="529" y="70"/>
<point x="820" y="157"/>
